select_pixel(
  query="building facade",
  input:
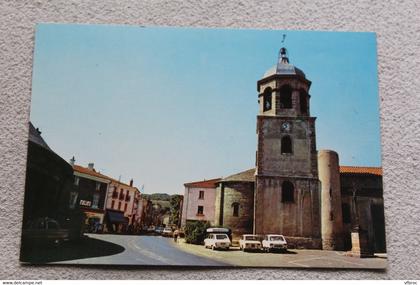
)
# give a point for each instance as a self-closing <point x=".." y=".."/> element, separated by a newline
<point x="363" y="210"/>
<point x="296" y="190"/>
<point x="89" y="194"/>
<point x="235" y="202"/>
<point x="199" y="201"/>
<point x="122" y="199"/>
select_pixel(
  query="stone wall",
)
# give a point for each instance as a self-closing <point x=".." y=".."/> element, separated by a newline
<point x="331" y="212"/>
<point x="295" y="83"/>
<point x="270" y="160"/>
<point x="236" y="192"/>
<point x="366" y="211"/>
<point x="297" y="219"/>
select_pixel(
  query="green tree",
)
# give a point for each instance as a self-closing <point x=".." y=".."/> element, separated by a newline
<point x="195" y="231"/>
<point x="175" y="203"/>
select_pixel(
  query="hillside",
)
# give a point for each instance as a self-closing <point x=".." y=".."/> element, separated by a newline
<point x="157" y="196"/>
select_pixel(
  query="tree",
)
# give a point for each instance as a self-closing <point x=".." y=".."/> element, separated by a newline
<point x="175" y="203"/>
<point x="195" y="231"/>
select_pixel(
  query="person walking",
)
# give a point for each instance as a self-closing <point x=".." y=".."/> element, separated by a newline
<point x="176" y="233"/>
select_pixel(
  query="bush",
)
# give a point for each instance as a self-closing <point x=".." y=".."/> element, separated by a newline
<point x="195" y="231"/>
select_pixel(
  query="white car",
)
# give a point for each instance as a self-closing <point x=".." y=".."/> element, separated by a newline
<point x="167" y="232"/>
<point x="249" y="242"/>
<point x="217" y="241"/>
<point x="274" y="242"/>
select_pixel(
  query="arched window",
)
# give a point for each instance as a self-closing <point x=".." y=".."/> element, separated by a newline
<point x="286" y="97"/>
<point x="235" y="207"/>
<point x="267" y="103"/>
<point x="303" y="102"/>
<point x="287" y="192"/>
<point x="286" y="144"/>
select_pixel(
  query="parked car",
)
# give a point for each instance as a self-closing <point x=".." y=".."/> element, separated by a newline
<point x="159" y="230"/>
<point x="217" y="241"/>
<point x="151" y="229"/>
<point x="250" y="242"/>
<point x="274" y="242"/>
<point x="167" y="232"/>
<point x="45" y="230"/>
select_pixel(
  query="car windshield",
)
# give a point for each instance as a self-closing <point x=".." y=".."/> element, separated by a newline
<point x="221" y="236"/>
<point x="277" y="238"/>
<point x="251" y="238"/>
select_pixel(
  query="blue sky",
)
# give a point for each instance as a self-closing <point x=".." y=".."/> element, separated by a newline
<point x="167" y="106"/>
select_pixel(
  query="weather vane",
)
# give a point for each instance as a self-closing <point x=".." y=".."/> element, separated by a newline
<point x="284" y="38"/>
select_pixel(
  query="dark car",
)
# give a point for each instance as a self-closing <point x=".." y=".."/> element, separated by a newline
<point x="45" y="230"/>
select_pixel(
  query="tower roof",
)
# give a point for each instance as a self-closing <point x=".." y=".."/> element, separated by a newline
<point x="283" y="67"/>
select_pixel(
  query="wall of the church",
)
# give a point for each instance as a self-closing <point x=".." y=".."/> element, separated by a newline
<point x="270" y="160"/>
<point x="364" y="211"/>
<point x="229" y="193"/>
<point x="299" y="221"/>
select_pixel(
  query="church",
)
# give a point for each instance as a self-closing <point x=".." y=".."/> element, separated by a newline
<point x="294" y="190"/>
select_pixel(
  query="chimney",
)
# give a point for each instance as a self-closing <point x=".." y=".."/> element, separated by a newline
<point x="131" y="182"/>
<point x="90" y="165"/>
<point x="72" y="161"/>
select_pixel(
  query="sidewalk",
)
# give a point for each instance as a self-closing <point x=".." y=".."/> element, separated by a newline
<point x="293" y="258"/>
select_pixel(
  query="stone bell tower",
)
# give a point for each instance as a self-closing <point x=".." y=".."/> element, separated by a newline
<point x="287" y="197"/>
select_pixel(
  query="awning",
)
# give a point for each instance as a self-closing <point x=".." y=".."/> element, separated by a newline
<point x="116" y="217"/>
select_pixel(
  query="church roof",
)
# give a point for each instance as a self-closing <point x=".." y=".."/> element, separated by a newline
<point x="361" y="170"/>
<point x="212" y="183"/>
<point x="35" y="137"/>
<point x="283" y="67"/>
<point x="244" y="176"/>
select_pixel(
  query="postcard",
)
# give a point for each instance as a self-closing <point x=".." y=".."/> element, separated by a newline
<point x="204" y="147"/>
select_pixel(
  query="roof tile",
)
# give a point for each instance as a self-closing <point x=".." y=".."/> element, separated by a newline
<point x="361" y="170"/>
<point x="212" y="183"/>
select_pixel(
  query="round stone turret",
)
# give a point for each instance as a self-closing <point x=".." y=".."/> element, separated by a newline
<point x="331" y="213"/>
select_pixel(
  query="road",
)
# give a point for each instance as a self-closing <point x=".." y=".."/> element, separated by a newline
<point x="157" y="250"/>
<point x="146" y="250"/>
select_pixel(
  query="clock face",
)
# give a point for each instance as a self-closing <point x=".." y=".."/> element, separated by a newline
<point x="285" y="126"/>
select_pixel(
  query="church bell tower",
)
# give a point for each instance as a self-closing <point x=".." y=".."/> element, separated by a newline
<point x="287" y="197"/>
